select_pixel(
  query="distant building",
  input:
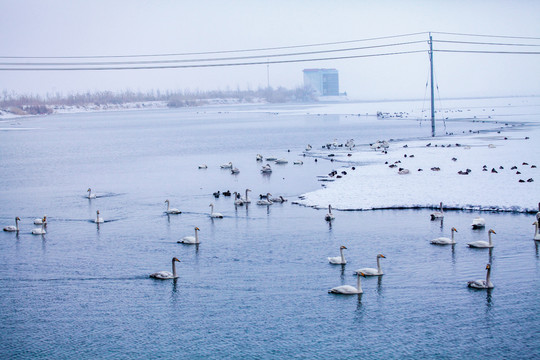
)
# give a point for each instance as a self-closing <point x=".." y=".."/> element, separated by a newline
<point x="325" y="82"/>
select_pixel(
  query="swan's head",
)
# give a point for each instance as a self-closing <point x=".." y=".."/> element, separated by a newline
<point x="534" y="223"/>
<point x="491" y="231"/>
<point x="381" y="256"/>
<point x="166" y="201"/>
<point x="211" y="205"/>
<point x="248" y="189"/>
<point x="488" y="266"/>
<point x="342" y="247"/>
<point x="44" y="218"/>
<point x="197" y="229"/>
<point x="18" y="218"/>
<point x="97" y="212"/>
<point x="89" y="190"/>
<point x="454" y="229"/>
<point x="175" y="259"/>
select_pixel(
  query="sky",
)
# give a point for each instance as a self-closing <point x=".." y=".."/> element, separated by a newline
<point x="36" y="28"/>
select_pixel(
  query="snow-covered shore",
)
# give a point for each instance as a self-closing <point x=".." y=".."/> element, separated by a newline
<point x="492" y="171"/>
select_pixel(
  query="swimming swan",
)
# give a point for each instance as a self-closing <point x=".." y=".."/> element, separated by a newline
<point x="266" y="201"/>
<point x="165" y="275"/>
<point x="536" y="231"/>
<point x="348" y="289"/>
<point x="226" y="166"/>
<point x="39" y="231"/>
<point x="246" y="199"/>
<point x="190" y="240"/>
<point x="483" y="244"/>
<point x="372" y="271"/>
<point x="12" y="228"/>
<point x="437" y="214"/>
<point x="482" y="284"/>
<point x="445" y="240"/>
<point x="43" y="220"/>
<point x="98" y="219"/>
<point x="90" y="195"/>
<point x="338" y="260"/>
<point x="329" y="216"/>
<point x="478" y="222"/>
<point x="171" y="210"/>
<point x="213" y="214"/>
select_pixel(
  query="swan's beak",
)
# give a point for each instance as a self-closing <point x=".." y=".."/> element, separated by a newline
<point x="362" y="274"/>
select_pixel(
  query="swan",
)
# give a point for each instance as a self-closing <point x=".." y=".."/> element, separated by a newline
<point x="482" y="284"/>
<point x="90" y="195"/>
<point x="191" y="240"/>
<point x="445" y="240"/>
<point x="279" y="199"/>
<point x="266" y="201"/>
<point x="483" y="244"/>
<point x="437" y="214"/>
<point x="478" y="222"/>
<point x="308" y="147"/>
<point x="235" y="170"/>
<point x="226" y="166"/>
<point x="203" y="166"/>
<point x="165" y="275"/>
<point x="237" y="199"/>
<point x="41" y="221"/>
<point x="259" y="157"/>
<point x="372" y="271"/>
<point x="338" y="260"/>
<point x="348" y="289"/>
<point x="536" y="231"/>
<point x="39" y="231"/>
<point x="266" y="169"/>
<point x="246" y="199"/>
<point x="213" y="214"/>
<point x="98" y="219"/>
<point x="171" y="210"/>
<point x="12" y="228"/>
<point x="329" y="216"/>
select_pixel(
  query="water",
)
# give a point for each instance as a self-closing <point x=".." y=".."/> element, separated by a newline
<point x="256" y="286"/>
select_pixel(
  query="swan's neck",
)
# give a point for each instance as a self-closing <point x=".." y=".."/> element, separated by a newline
<point x="452" y="235"/>
<point x="535" y="229"/>
<point x="196" y="237"/>
<point x="359" y="283"/>
<point x="211" y="209"/>
<point x="342" y="256"/>
<point x="168" y="206"/>
<point x="17" y="224"/>
<point x="174" y="269"/>
<point x="246" y="195"/>
<point x="489" y="235"/>
<point x="379" y="265"/>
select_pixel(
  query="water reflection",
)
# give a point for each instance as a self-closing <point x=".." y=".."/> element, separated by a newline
<point x="342" y="274"/>
<point x="535" y="246"/>
<point x="379" y="285"/>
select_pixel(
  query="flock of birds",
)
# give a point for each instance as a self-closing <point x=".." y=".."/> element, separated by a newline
<point x="477" y="223"/>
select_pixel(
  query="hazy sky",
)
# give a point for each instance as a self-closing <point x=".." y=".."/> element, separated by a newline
<point x="126" y="27"/>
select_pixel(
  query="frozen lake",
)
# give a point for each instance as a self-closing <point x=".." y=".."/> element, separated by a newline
<point x="256" y="286"/>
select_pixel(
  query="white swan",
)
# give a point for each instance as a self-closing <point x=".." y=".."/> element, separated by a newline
<point x="171" y="210"/>
<point x="12" y="228"/>
<point x="90" y="195"/>
<point x="226" y="166"/>
<point x="39" y="231"/>
<point x="478" y="222"/>
<point x="483" y="244"/>
<point x="338" y="260"/>
<point x="329" y="216"/>
<point x="482" y="284"/>
<point x="308" y="147"/>
<point x="266" y="201"/>
<point x="237" y="199"/>
<point x="445" y="240"/>
<point x="536" y="231"/>
<point x="438" y="214"/>
<point x="348" y="289"/>
<point x="259" y="157"/>
<point x="246" y="199"/>
<point x="191" y="240"/>
<point x="98" y="219"/>
<point x="203" y="166"/>
<point x="372" y="271"/>
<point x="43" y="220"/>
<point x="266" y="169"/>
<point x="165" y="275"/>
<point x="235" y="170"/>
<point x="214" y="214"/>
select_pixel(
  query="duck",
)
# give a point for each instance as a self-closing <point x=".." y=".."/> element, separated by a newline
<point x="39" y="221"/>
<point x="90" y="195"/>
<point x="445" y="240"/>
<point x="298" y="162"/>
<point x="165" y="275"/>
<point x="213" y="214"/>
<point x="203" y="166"/>
<point x="372" y="271"/>
<point x="191" y="240"/>
<point x="171" y="210"/>
<point x="329" y="216"/>
<point x="438" y="214"/>
<point x="338" y="260"/>
<point x="11" y="228"/>
<point x="348" y="289"/>
<point x="228" y="165"/>
<point x="227" y="193"/>
<point x="281" y="161"/>
<point x="98" y="219"/>
<point x="482" y="284"/>
<point x="478" y="222"/>
<point x="536" y="231"/>
<point x="483" y="244"/>
<point x="40" y="230"/>
<point x="266" y="201"/>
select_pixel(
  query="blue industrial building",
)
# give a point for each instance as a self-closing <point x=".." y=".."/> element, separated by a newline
<point x="324" y="82"/>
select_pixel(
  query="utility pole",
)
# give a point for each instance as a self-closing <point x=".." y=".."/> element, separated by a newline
<point x="432" y="92"/>
<point x="268" y="73"/>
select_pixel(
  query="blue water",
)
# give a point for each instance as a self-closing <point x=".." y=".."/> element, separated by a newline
<point x="256" y="286"/>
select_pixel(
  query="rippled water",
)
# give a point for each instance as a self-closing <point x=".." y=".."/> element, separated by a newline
<point x="256" y="287"/>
